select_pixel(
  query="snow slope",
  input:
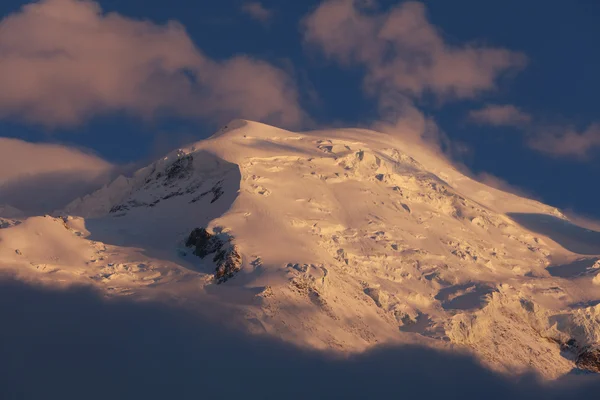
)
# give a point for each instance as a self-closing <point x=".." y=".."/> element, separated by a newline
<point x="348" y="238"/>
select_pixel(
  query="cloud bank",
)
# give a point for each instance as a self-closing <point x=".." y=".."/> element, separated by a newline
<point x="65" y="61"/>
<point x="37" y="178"/>
<point x="19" y="159"/>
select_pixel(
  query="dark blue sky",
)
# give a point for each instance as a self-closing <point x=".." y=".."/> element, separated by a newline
<point x="558" y="87"/>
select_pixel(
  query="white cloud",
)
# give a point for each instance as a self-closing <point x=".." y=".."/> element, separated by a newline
<point x="500" y="115"/>
<point x="20" y="159"/>
<point x="65" y="61"/>
<point x="566" y="142"/>
<point x="257" y="11"/>
<point x="554" y="140"/>
<point x="40" y="177"/>
<point x="402" y="51"/>
<point x="405" y="58"/>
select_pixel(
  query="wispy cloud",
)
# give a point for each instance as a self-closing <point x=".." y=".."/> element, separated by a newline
<point x="582" y="220"/>
<point x="557" y="140"/>
<point x="19" y="159"/>
<point x="257" y="11"/>
<point x="402" y="51"/>
<point x="500" y="115"/>
<point x="65" y="61"/>
<point x="566" y="141"/>
<point x="501" y="184"/>
<point x="405" y="58"/>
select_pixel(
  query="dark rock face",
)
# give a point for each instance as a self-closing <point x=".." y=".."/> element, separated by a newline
<point x="226" y="257"/>
<point x="121" y="208"/>
<point x="229" y="261"/>
<point x="204" y="242"/>
<point x="589" y="358"/>
<point x="8" y="223"/>
<point x="180" y="169"/>
<point x="216" y="191"/>
<point x="176" y="180"/>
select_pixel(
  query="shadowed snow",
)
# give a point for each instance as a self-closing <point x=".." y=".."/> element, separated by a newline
<point x="71" y="344"/>
<point x="572" y="237"/>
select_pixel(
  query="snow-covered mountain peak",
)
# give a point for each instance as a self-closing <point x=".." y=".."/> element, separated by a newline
<point x="360" y="151"/>
<point x="342" y="239"/>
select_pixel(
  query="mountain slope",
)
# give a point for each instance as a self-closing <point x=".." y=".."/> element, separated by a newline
<point x="339" y="239"/>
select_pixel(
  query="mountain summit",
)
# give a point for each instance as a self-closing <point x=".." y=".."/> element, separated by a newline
<point x="337" y="240"/>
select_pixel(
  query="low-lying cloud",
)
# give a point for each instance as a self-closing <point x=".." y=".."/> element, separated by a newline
<point x="19" y="159"/>
<point x="38" y="178"/>
<point x="65" y="61"/>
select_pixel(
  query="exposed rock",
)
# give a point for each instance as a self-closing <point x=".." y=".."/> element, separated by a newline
<point x="216" y="190"/>
<point x="173" y="194"/>
<point x="266" y="293"/>
<point x="379" y="297"/>
<point x="203" y="241"/>
<point x="8" y="223"/>
<point x="589" y="358"/>
<point x="227" y="258"/>
<point x="132" y="204"/>
<point x="181" y="168"/>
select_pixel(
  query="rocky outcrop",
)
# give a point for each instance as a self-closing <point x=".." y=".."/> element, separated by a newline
<point x="8" y="223"/>
<point x="586" y="357"/>
<point x="216" y="191"/>
<point x="589" y="358"/>
<point x="181" y="168"/>
<point x="226" y="257"/>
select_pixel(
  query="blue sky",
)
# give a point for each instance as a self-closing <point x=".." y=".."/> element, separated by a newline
<point x="543" y="141"/>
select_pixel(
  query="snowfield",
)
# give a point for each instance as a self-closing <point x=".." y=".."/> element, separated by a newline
<point x="337" y="240"/>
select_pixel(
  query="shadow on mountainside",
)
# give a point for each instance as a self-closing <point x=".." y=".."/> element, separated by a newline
<point x="73" y="344"/>
<point x="570" y="236"/>
<point x="574" y="269"/>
